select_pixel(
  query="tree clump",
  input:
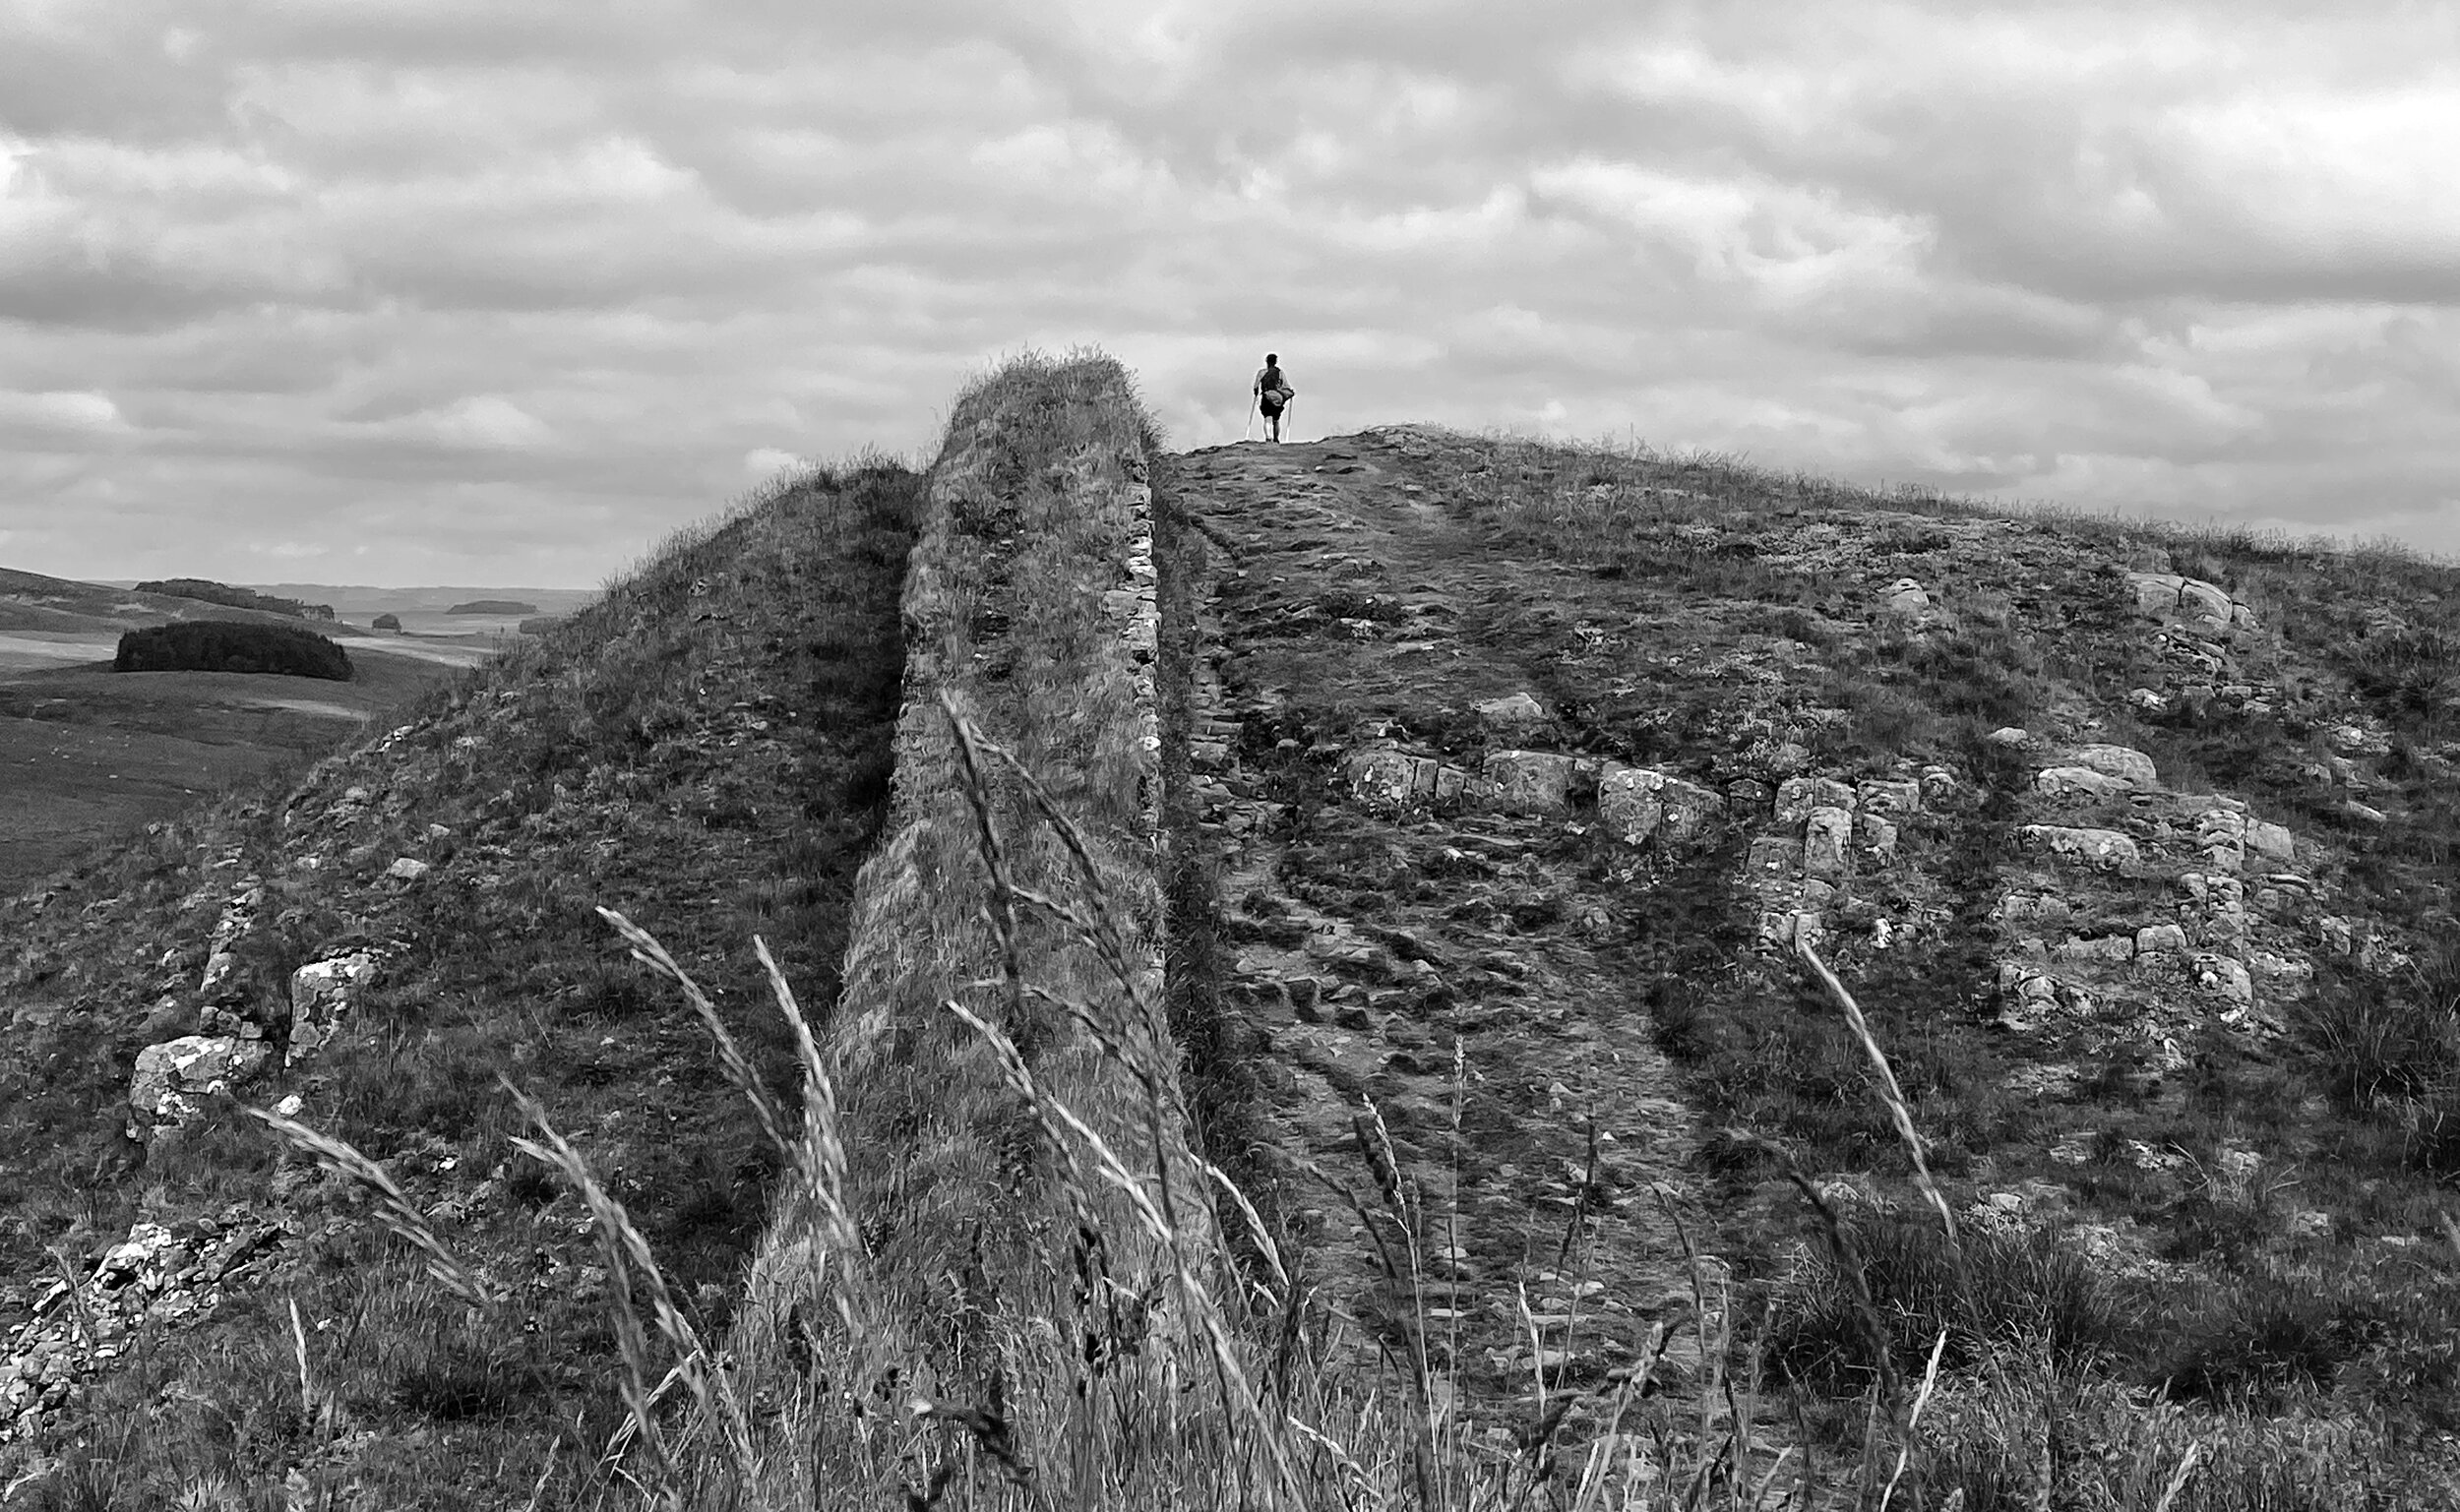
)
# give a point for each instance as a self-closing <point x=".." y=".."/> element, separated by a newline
<point x="222" y="646"/>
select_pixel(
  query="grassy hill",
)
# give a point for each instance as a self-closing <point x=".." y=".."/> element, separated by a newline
<point x="1410" y="970"/>
<point x="713" y="763"/>
<point x="30" y="601"/>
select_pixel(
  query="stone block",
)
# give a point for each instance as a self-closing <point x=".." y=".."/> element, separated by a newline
<point x="1389" y="775"/>
<point x="2189" y="602"/>
<point x="222" y="976"/>
<point x="1878" y="835"/>
<point x="1636" y="803"/>
<point x="1798" y="796"/>
<point x="2077" y="783"/>
<point x="1515" y="714"/>
<point x="1896" y="796"/>
<point x="2105" y="848"/>
<point x="2028" y="907"/>
<point x="2221" y="834"/>
<point x="2156" y="938"/>
<point x="1827" y="833"/>
<point x="2124" y="762"/>
<point x="1774" y="856"/>
<point x="320" y="995"/>
<point x="2272" y="840"/>
<point x="1528" y="781"/>
<point x="2227" y="976"/>
<point x="1940" y="784"/>
<point x="1748" y="794"/>
<point x="2109" y="948"/>
<point x="2219" y="905"/>
<point x="172" y="1076"/>
<point x="2287" y="976"/>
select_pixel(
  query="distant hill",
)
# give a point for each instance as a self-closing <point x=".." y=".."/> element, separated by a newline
<point x="362" y="601"/>
<point x="494" y="606"/>
<point x="223" y="594"/>
<point x="32" y="602"/>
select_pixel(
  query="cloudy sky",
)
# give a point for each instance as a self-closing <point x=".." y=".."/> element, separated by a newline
<point x="468" y="291"/>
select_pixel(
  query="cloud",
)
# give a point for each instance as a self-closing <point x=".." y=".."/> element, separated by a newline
<point x="483" y="422"/>
<point x="60" y="412"/>
<point x="504" y="293"/>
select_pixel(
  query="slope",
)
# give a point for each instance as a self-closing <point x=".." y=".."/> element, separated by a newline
<point x="1531" y="766"/>
<point x="705" y="748"/>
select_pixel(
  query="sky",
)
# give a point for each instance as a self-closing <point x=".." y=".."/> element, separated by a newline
<point x="400" y="291"/>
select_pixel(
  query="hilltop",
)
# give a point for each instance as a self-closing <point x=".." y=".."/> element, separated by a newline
<point x="1387" y="882"/>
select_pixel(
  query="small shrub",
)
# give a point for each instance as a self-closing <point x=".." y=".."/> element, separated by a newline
<point x="2009" y="1287"/>
<point x="2267" y="1339"/>
<point x="386" y="622"/>
<point x="2411" y="676"/>
<point x="457" y="1377"/>
<point x="2431" y="1128"/>
<point x="2376" y="1042"/>
<point x="222" y="646"/>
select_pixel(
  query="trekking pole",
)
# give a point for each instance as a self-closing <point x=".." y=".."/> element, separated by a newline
<point x="1251" y="401"/>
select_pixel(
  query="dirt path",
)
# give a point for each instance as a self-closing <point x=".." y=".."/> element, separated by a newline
<point x="314" y="706"/>
<point x="1457" y="963"/>
<point x="448" y="653"/>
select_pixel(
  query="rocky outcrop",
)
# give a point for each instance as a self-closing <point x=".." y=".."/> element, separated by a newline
<point x="158" y="1276"/>
<point x="321" y="994"/>
<point x="171" y="1077"/>
<point x="2191" y="603"/>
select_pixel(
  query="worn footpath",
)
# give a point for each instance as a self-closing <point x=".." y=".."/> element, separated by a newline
<point x="1423" y="943"/>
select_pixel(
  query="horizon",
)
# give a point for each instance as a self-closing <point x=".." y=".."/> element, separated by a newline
<point x="2051" y="509"/>
<point x="518" y="293"/>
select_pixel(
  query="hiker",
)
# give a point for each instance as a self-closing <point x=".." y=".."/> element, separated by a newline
<point x="1273" y="392"/>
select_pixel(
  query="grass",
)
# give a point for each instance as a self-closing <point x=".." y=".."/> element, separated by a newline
<point x="88" y="755"/>
<point x="707" y="746"/>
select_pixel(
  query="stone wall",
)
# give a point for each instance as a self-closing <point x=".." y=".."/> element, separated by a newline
<point x="1031" y="612"/>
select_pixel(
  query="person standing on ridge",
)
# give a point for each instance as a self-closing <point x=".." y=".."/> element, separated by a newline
<point x="1272" y="393"/>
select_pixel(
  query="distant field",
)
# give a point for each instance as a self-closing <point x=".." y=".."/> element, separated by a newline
<point x="30" y="649"/>
<point x="87" y="752"/>
<point x="430" y="621"/>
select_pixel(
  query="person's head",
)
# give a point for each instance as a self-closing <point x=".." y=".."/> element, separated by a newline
<point x="1271" y="357"/>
